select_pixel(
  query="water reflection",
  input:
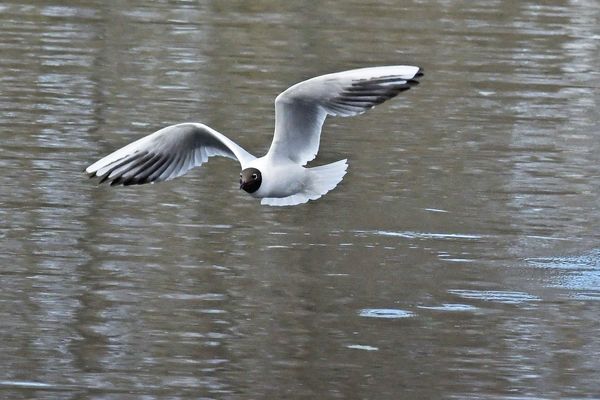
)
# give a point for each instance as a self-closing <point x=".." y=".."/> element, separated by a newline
<point x="458" y="259"/>
<point x="504" y="297"/>
<point x="580" y="274"/>
<point x="385" y="313"/>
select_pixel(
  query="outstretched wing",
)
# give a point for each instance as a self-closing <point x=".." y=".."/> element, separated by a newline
<point x="301" y="109"/>
<point x="166" y="154"/>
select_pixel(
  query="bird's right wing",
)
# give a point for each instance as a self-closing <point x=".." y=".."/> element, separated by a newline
<point x="166" y="154"/>
<point x="301" y="110"/>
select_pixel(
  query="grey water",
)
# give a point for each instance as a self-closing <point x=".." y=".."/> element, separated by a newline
<point x="458" y="259"/>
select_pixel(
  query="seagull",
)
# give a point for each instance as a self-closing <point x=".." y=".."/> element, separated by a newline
<point x="280" y="177"/>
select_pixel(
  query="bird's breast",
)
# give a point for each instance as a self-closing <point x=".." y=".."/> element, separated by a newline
<point x="281" y="180"/>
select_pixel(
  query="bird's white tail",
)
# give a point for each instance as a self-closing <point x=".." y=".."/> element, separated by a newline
<point x="326" y="177"/>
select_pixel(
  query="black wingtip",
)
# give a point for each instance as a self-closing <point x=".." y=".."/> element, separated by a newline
<point x="116" y="181"/>
<point x="103" y="179"/>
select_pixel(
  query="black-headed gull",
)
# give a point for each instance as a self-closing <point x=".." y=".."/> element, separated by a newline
<point x="280" y="177"/>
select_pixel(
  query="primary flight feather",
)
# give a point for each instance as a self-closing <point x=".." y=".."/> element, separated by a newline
<point x="280" y="177"/>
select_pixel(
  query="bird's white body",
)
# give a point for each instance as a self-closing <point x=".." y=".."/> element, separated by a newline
<point x="279" y="177"/>
<point x="287" y="183"/>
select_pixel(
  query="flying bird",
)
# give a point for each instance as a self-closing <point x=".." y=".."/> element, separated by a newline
<point x="280" y="177"/>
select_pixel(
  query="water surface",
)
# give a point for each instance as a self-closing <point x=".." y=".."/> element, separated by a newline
<point x="459" y="258"/>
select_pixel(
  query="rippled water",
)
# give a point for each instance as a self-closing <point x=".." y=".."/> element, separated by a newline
<point x="458" y="259"/>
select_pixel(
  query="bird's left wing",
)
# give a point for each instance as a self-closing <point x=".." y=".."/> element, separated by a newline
<point x="301" y="110"/>
<point x="166" y="154"/>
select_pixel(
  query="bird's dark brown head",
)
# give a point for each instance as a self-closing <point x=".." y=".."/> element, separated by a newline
<point x="250" y="180"/>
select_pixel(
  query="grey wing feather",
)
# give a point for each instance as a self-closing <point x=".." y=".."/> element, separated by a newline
<point x="301" y="110"/>
<point x="166" y="154"/>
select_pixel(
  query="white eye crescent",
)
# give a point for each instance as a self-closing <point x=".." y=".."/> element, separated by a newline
<point x="254" y="176"/>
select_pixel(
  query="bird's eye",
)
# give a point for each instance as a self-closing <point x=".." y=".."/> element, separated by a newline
<point x="254" y="176"/>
